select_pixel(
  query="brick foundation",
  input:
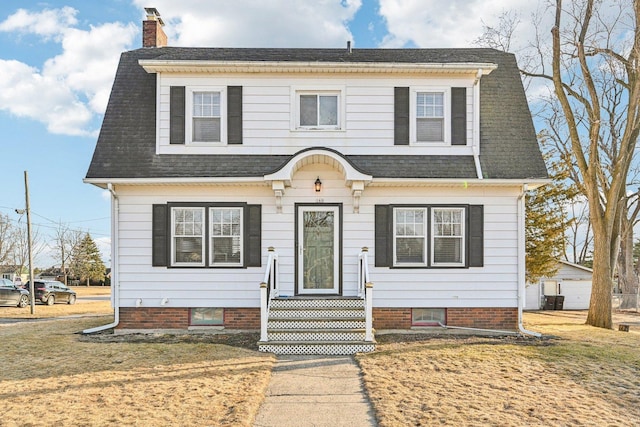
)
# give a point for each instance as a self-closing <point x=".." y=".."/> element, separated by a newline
<point x="178" y="318"/>
<point x="383" y="318"/>
<point x="482" y="318"/>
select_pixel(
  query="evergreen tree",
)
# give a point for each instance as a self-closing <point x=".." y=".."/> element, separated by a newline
<point x="546" y="221"/>
<point x="86" y="262"/>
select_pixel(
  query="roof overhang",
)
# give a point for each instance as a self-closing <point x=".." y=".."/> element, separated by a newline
<point x="208" y="66"/>
<point x="373" y="182"/>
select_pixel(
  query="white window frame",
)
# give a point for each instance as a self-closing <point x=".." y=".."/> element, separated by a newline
<point x="433" y="236"/>
<point x="210" y="237"/>
<point x="413" y="114"/>
<point x="173" y="237"/>
<point x="339" y="92"/>
<point x="190" y="91"/>
<point x="424" y="236"/>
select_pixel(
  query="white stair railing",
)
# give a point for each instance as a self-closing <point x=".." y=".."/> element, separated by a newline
<point x="365" y="290"/>
<point x="268" y="290"/>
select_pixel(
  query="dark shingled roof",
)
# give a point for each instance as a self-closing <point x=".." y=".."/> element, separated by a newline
<point x="127" y="141"/>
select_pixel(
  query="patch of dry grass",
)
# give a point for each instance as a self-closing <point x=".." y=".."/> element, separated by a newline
<point x="50" y="377"/>
<point x="83" y="291"/>
<point x="43" y="311"/>
<point x="583" y="376"/>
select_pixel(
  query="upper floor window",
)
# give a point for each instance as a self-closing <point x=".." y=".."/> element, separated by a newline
<point x="317" y="109"/>
<point x="206" y="117"/>
<point x="430" y="116"/>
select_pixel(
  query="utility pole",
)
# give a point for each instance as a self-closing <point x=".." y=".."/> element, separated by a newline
<point x="32" y="295"/>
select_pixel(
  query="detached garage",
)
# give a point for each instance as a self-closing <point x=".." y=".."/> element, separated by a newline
<point x="572" y="281"/>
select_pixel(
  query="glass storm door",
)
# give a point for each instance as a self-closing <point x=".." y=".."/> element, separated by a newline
<point x="318" y="249"/>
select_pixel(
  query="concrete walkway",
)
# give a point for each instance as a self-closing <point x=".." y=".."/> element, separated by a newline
<point x="315" y="391"/>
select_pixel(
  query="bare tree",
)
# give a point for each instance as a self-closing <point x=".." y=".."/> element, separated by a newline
<point x="7" y="240"/>
<point x="66" y="240"/>
<point x="501" y="35"/>
<point x="595" y="78"/>
<point x="593" y="114"/>
<point x="21" y="246"/>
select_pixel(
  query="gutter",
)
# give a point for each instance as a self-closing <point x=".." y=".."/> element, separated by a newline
<point x="475" y="143"/>
<point x="521" y="261"/>
<point x="115" y="282"/>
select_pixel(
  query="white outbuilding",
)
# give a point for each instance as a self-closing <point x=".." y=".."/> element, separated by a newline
<point x="572" y="281"/>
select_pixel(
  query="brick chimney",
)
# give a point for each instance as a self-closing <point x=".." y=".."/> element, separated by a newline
<point x="152" y="33"/>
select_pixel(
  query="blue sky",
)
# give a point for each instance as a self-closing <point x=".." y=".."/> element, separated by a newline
<point x="58" y="58"/>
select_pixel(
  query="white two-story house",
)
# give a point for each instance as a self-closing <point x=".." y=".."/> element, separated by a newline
<point x="302" y="191"/>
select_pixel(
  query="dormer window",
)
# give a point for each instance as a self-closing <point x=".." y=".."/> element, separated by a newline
<point x="206" y="117"/>
<point x="207" y="109"/>
<point x="430" y="116"/>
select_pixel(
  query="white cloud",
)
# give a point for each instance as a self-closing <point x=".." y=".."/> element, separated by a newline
<point x="252" y="23"/>
<point x="47" y="23"/>
<point x="455" y="23"/>
<point x="72" y="87"/>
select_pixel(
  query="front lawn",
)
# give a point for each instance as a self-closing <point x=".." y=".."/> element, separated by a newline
<point x="579" y="376"/>
<point x="50" y="376"/>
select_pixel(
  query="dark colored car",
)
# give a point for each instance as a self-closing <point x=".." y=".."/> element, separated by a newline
<point x="13" y="295"/>
<point x="52" y="291"/>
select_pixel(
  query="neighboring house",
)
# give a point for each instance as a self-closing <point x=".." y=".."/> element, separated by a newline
<point x="10" y="272"/>
<point x="214" y="155"/>
<point x="572" y="282"/>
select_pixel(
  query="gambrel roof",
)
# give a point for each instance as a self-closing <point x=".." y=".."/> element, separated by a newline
<point x="126" y="147"/>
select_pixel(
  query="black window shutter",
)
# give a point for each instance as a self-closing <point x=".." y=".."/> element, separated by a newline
<point x="234" y="115"/>
<point x="476" y="235"/>
<point x="458" y="116"/>
<point x="401" y="116"/>
<point x="160" y="240"/>
<point x="176" y="115"/>
<point x="253" y="236"/>
<point x="383" y="238"/>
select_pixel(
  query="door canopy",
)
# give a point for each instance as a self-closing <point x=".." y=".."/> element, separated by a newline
<point x="353" y="178"/>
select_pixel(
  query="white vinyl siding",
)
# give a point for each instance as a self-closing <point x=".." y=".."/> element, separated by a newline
<point x="270" y="114"/>
<point x="493" y="285"/>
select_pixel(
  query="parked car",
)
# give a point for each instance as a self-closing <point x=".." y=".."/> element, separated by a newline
<point x="13" y="295"/>
<point x="52" y="291"/>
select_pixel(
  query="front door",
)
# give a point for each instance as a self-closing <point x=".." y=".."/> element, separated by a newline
<point x="318" y="240"/>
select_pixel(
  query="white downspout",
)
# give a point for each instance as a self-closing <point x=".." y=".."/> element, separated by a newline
<point x="521" y="261"/>
<point x="475" y="143"/>
<point x="115" y="282"/>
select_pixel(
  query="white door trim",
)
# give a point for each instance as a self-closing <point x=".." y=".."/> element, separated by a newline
<point x="300" y="250"/>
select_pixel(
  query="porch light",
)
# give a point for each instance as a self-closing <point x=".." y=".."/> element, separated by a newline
<point x="318" y="185"/>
